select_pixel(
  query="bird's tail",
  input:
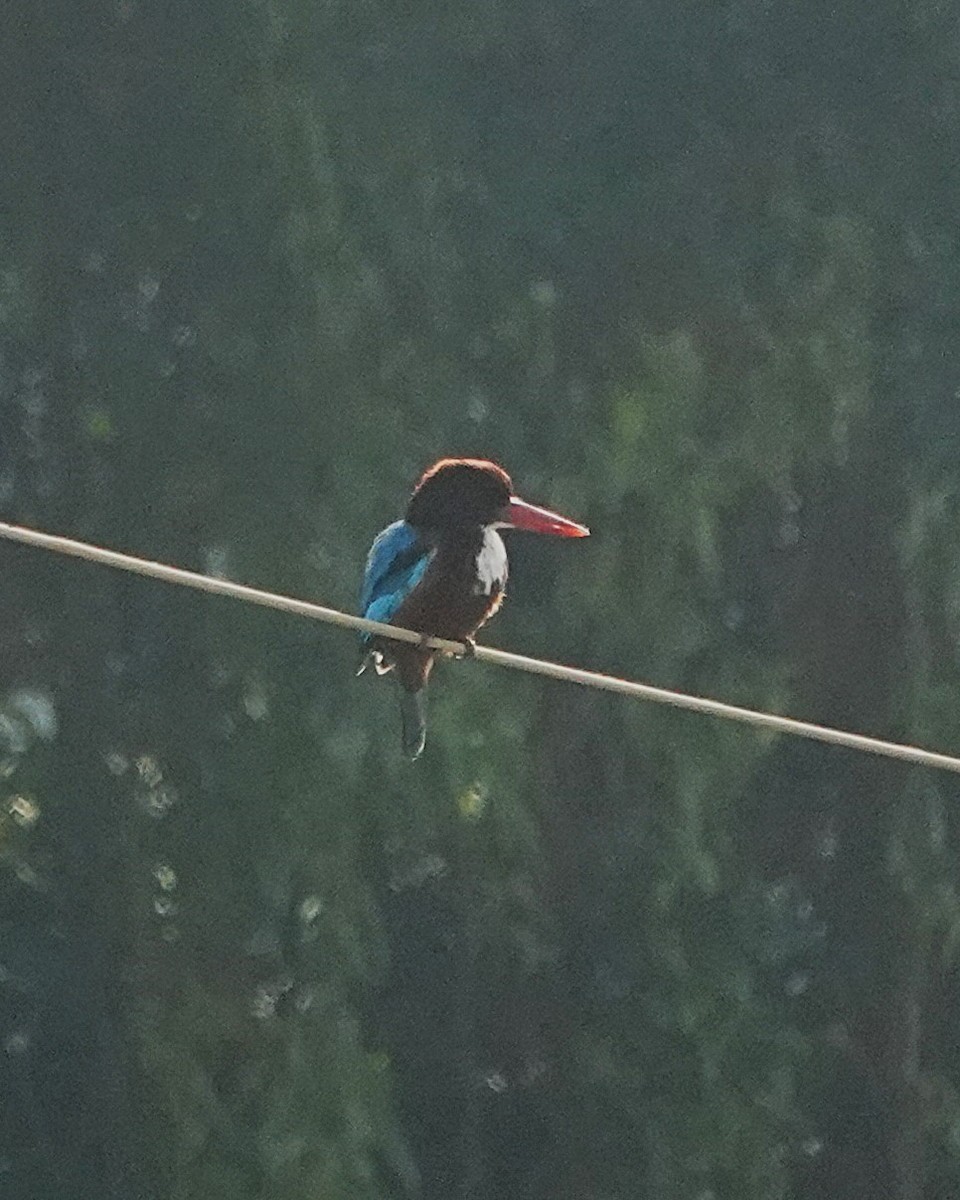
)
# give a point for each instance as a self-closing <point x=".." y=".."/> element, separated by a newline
<point x="413" y="713"/>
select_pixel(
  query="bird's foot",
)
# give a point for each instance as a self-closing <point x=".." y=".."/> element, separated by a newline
<point x="469" y="648"/>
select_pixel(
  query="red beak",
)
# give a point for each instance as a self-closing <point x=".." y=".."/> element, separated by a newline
<point x="521" y="515"/>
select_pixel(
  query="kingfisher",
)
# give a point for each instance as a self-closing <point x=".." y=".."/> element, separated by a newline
<point x="442" y="571"/>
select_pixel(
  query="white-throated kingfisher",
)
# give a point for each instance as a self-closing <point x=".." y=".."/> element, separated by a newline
<point x="442" y="571"/>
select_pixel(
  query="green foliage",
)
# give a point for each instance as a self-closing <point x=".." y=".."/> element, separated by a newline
<point x="685" y="270"/>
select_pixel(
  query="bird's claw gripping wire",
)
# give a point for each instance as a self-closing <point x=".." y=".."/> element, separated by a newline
<point x="468" y="650"/>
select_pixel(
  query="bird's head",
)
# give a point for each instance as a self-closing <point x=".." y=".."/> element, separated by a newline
<point x="458" y="493"/>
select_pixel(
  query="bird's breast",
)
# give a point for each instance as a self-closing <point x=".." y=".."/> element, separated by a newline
<point x="463" y="586"/>
<point x="490" y="565"/>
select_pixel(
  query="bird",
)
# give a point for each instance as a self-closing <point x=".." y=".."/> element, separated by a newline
<point x="442" y="571"/>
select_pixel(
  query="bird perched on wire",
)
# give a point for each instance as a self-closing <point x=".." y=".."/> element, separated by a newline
<point x="442" y="571"/>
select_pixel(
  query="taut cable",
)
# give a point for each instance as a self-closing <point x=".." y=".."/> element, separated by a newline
<point x="500" y="658"/>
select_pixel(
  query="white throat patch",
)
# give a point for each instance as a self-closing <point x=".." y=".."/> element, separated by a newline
<point x="491" y="564"/>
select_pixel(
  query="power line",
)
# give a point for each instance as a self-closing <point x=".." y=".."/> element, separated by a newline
<point x="501" y="658"/>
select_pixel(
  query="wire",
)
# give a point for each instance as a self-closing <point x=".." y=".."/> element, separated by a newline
<point x="501" y="658"/>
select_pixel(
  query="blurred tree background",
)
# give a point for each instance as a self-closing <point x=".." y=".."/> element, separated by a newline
<point x="691" y="271"/>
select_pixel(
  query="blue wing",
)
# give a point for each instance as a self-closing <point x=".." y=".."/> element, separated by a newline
<point x="397" y="561"/>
